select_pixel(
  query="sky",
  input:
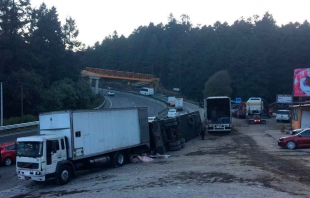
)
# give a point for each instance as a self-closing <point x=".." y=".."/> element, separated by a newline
<point x="97" y="19"/>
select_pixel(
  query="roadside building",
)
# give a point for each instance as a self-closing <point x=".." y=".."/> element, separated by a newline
<point x="300" y="116"/>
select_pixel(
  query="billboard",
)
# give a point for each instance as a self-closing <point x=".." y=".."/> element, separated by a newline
<point x="301" y="82"/>
<point x="284" y="99"/>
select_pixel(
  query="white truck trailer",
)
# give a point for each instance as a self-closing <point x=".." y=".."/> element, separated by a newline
<point x="217" y="114"/>
<point x="171" y="101"/>
<point x="178" y="104"/>
<point x="255" y="110"/>
<point x="71" y="141"/>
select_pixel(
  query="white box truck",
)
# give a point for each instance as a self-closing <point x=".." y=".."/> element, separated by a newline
<point x="72" y="141"/>
<point x="179" y="104"/>
<point x="217" y="114"/>
<point x="147" y="91"/>
<point x="171" y="101"/>
<point x="255" y="110"/>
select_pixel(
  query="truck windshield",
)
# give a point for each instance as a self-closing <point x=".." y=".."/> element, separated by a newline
<point x="29" y="149"/>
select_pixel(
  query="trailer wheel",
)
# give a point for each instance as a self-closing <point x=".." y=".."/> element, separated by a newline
<point x="169" y="120"/>
<point x="190" y="120"/>
<point x="64" y="175"/>
<point x="175" y="143"/>
<point x="119" y="159"/>
<point x="171" y="124"/>
<point x="182" y="140"/>
<point x="175" y="148"/>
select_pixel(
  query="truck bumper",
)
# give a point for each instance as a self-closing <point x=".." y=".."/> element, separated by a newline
<point x="34" y="175"/>
<point x="31" y="177"/>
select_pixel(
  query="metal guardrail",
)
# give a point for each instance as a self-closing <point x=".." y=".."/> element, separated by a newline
<point x="28" y="124"/>
<point x="15" y="126"/>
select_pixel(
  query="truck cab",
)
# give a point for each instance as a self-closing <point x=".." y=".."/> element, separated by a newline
<point x="39" y="158"/>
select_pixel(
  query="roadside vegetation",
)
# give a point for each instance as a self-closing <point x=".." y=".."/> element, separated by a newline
<point x="41" y="59"/>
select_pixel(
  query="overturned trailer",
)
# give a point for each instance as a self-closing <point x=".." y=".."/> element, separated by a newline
<point x="170" y="134"/>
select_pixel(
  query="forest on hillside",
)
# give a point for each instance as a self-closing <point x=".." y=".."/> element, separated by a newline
<point x="44" y="57"/>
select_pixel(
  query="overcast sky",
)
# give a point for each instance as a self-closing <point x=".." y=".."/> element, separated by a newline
<point x="97" y="19"/>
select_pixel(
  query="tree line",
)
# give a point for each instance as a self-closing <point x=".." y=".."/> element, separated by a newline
<point x="39" y="61"/>
<point x="258" y="55"/>
<point x="253" y="57"/>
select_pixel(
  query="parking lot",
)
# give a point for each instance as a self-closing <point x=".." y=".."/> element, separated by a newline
<point x="244" y="163"/>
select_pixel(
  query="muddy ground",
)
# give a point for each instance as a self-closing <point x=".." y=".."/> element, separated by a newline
<point x="244" y="163"/>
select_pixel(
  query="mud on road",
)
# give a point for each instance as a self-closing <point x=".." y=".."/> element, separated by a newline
<point x="243" y="163"/>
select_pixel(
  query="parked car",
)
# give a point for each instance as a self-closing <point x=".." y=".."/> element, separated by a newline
<point x="110" y="93"/>
<point x="7" y="153"/>
<point x="301" y="139"/>
<point x="283" y="115"/>
<point x="172" y="113"/>
<point x="295" y="131"/>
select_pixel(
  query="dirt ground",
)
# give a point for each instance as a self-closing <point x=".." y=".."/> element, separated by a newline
<point x="244" y="163"/>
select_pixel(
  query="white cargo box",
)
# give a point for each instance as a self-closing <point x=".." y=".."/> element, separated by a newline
<point x="94" y="132"/>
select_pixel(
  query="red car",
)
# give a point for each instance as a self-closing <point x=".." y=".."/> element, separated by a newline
<point x="301" y="139"/>
<point x="7" y="153"/>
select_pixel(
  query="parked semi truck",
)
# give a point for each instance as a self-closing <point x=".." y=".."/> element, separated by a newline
<point x="218" y="113"/>
<point x="72" y="141"/>
<point x="179" y="104"/>
<point x="255" y="110"/>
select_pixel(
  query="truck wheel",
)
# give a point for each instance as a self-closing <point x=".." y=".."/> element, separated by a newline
<point x="183" y="145"/>
<point x="8" y="161"/>
<point x="64" y="175"/>
<point x="118" y="159"/>
<point x="190" y="120"/>
<point x="169" y="120"/>
<point x="182" y="140"/>
<point x="175" y="148"/>
<point x="175" y="143"/>
<point x="171" y="124"/>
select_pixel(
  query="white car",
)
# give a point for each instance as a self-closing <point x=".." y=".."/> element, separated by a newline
<point x="110" y="93"/>
<point x="172" y="113"/>
<point x="283" y="115"/>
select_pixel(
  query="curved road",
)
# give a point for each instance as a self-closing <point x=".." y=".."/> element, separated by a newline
<point x="122" y="99"/>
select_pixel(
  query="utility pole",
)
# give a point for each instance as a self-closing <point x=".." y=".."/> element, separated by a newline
<point x="22" y="104"/>
<point x="1" y="124"/>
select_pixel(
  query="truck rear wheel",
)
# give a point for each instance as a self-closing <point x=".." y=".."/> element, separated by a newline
<point x="64" y="175"/>
<point x="118" y="159"/>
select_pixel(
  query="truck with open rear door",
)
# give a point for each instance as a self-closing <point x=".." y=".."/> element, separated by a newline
<point x="218" y="113"/>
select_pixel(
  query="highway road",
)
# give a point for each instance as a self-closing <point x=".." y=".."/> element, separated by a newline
<point x="118" y="101"/>
<point x="122" y="99"/>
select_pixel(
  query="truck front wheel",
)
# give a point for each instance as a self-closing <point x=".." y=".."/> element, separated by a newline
<point x="64" y="175"/>
<point x="118" y="159"/>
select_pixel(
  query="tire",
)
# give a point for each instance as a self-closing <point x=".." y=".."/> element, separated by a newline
<point x="171" y="124"/>
<point x="190" y="120"/>
<point x="183" y="145"/>
<point x="175" y="148"/>
<point x="291" y="145"/>
<point x="64" y="175"/>
<point x="175" y="143"/>
<point x="182" y="140"/>
<point x="8" y="161"/>
<point x="119" y="159"/>
<point x="169" y="120"/>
